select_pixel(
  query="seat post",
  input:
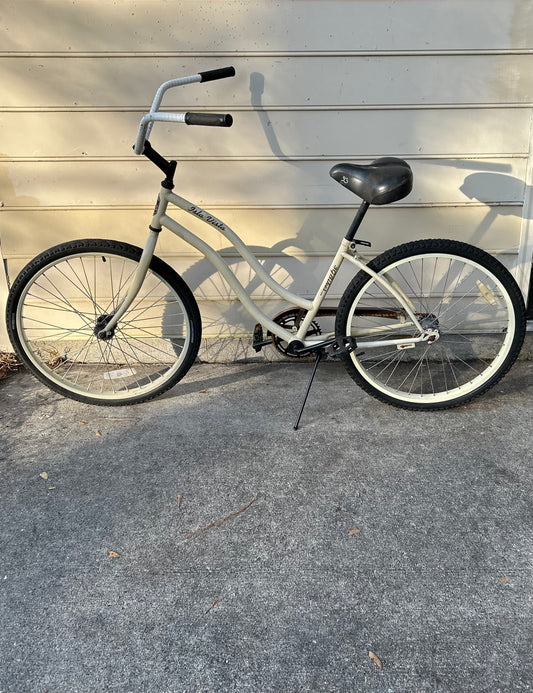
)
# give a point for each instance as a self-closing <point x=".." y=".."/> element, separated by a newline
<point x="356" y="223"/>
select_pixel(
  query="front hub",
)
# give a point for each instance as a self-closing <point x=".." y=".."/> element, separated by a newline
<point x="100" y="328"/>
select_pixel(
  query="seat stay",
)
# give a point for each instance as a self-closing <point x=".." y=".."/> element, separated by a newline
<point x="386" y="284"/>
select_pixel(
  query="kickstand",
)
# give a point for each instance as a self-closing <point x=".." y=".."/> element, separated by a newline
<point x="319" y="355"/>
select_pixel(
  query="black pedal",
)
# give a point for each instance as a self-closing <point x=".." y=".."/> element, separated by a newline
<point x="258" y="337"/>
<point x="258" y="342"/>
<point x="342" y="346"/>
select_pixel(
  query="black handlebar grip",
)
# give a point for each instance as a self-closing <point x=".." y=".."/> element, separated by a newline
<point x="220" y="120"/>
<point x="217" y="74"/>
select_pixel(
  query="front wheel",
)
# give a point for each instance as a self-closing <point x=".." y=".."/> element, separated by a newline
<point x="463" y="294"/>
<point x="63" y="298"/>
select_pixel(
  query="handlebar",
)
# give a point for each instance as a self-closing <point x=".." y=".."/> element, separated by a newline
<point x="209" y="119"/>
<point x="221" y="120"/>
<point x="222" y="73"/>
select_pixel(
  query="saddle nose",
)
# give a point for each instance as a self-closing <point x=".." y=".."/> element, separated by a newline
<point x="379" y="183"/>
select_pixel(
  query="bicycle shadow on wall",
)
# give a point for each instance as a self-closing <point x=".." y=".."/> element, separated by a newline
<point x="223" y="316"/>
<point x="487" y="175"/>
<point x="516" y="191"/>
<point x="475" y="187"/>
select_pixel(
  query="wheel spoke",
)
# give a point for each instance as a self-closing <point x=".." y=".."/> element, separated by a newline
<point x="85" y="292"/>
<point x="57" y="295"/>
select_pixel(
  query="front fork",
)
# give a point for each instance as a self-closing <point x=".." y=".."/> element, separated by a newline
<point x="136" y="283"/>
<point x="140" y="272"/>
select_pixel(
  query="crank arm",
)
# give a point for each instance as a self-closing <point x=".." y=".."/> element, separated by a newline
<point x="334" y="346"/>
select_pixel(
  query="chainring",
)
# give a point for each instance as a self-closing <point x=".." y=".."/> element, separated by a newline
<point x="290" y="319"/>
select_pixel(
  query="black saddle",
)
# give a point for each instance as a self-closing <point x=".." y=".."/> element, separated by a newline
<point x="383" y="181"/>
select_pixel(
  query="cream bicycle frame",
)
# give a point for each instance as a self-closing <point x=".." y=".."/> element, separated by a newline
<point x="346" y="251"/>
<point x="160" y="220"/>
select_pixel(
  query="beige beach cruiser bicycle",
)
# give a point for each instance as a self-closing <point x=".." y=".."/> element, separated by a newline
<point x="429" y="324"/>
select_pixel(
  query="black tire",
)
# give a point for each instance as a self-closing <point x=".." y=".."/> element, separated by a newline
<point x="464" y="293"/>
<point x="56" y="300"/>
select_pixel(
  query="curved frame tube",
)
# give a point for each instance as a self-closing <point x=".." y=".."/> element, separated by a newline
<point x="162" y="219"/>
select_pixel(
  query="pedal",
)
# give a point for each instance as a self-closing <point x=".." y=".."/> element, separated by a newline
<point x="342" y="346"/>
<point x="258" y="342"/>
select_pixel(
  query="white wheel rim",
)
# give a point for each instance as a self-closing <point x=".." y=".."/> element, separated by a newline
<point x="459" y="390"/>
<point x="113" y="376"/>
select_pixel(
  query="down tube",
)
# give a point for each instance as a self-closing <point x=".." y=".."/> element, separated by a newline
<point x="228" y="275"/>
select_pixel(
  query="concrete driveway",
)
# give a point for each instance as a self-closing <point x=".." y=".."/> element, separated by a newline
<point x="198" y="543"/>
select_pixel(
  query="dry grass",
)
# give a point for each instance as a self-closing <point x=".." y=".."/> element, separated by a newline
<point x="9" y="363"/>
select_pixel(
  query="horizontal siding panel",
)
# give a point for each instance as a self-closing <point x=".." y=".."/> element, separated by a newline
<point x="270" y="232"/>
<point x="190" y="25"/>
<point x="264" y="81"/>
<point x="250" y="183"/>
<point x="275" y="134"/>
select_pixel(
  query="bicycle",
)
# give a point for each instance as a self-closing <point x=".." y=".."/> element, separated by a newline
<point x="426" y="325"/>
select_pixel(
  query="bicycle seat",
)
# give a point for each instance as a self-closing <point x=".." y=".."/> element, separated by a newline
<point x="384" y="180"/>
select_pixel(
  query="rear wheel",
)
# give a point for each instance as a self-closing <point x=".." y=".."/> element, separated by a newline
<point x="460" y="291"/>
<point x="61" y="301"/>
